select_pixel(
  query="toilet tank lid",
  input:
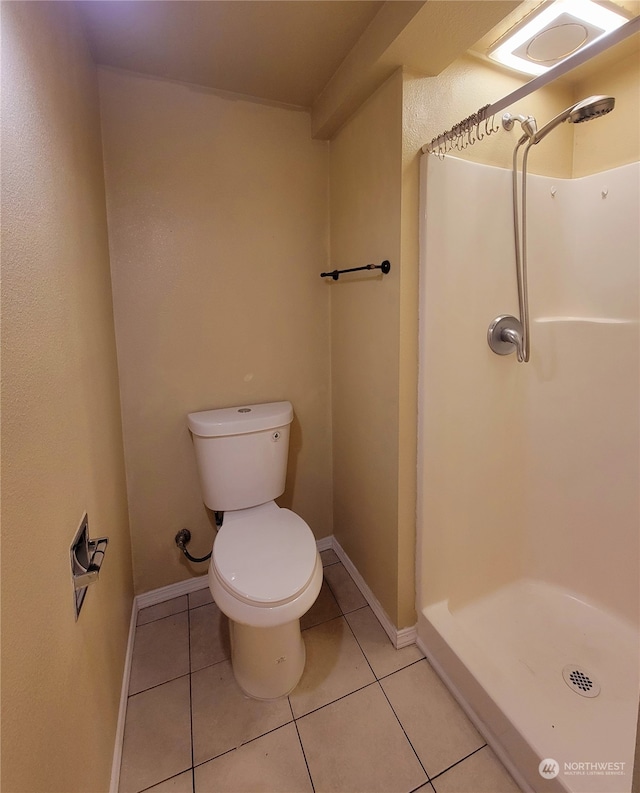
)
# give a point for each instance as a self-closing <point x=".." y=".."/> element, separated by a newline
<point x="240" y="420"/>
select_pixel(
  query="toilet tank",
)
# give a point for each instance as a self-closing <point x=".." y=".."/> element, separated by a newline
<point x="241" y="453"/>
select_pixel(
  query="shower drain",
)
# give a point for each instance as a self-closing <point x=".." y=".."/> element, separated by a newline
<point x="580" y="681"/>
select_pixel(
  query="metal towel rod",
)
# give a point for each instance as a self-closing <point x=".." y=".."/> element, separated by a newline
<point x="335" y="274"/>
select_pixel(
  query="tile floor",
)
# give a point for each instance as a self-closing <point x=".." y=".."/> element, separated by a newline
<point x="364" y="717"/>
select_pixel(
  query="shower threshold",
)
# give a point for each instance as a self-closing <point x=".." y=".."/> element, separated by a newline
<point x="503" y="656"/>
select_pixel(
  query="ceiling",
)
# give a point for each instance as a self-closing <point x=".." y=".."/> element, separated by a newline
<point x="327" y="56"/>
<point x="284" y="52"/>
<point x="324" y="55"/>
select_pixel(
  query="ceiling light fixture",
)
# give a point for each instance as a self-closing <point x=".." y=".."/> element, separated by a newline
<point x="560" y="29"/>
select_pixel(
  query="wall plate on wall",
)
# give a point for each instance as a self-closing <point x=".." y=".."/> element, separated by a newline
<point x="86" y="560"/>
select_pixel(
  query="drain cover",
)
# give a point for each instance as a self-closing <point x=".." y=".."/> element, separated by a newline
<point x="580" y="681"/>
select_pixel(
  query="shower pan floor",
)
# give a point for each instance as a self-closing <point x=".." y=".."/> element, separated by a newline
<point x="505" y="654"/>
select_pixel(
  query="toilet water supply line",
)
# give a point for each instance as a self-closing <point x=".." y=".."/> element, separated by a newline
<point x="183" y="538"/>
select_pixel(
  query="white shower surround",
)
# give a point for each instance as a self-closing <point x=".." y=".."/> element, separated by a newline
<point x="528" y="507"/>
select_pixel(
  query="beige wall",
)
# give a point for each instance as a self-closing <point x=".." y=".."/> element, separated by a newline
<point x="218" y="233"/>
<point x="365" y="184"/>
<point x="614" y="141"/>
<point x="61" y="434"/>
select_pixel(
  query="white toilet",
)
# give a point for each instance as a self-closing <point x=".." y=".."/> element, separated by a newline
<point x="265" y="570"/>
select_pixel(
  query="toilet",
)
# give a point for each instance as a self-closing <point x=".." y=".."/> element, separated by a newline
<point x="265" y="570"/>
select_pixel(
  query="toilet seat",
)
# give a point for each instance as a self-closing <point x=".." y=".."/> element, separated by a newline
<point x="265" y="555"/>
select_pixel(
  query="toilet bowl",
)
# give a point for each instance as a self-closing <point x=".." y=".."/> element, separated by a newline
<point x="265" y="573"/>
<point x="265" y="570"/>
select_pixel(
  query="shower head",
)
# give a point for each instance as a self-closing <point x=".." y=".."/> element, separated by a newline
<point x="589" y="108"/>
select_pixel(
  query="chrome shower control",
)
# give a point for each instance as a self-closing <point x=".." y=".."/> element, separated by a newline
<point x="505" y="336"/>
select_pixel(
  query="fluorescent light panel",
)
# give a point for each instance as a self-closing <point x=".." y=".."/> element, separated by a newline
<point x="582" y="10"/>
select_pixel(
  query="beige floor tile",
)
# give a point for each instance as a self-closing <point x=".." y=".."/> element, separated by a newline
<point x="160" y="652"/>
<point x="329" y="557"/>
<point x="273" y="763"/>
<point x="480" y="773"/>
<point x="209" y="636"/>
<point x="223" y="717"/>
<point x="356" y="745"/>
<point x="437" y="727"/>
<point x="157" y="736"/>
<point x="346" y="592"/>
<point x="165" y="609"/>
<point x="183" y="783"/>
<point x="376" y="645"/>
<point x="325" y="608"/>
<point x="200" y="597"/>
<point x="335" y="666"/>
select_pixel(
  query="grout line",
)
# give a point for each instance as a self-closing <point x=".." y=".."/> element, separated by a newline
<point x="420" y="787"/>
<point x="295" y="723"/>
<point x="162" y="781"/>
<point x="330" y="588"/>
<point x="404" y="731"/>
<point x="462" y="759"/>
<point x="430" y="787"/>
<point x="202" y="605"/>
<point x="326" y="705"/>
<point x="402" y="668"/>
<point x="158" y="619"/>
<point x="373" y="672"/>
<point x="215" y="663"/>
<point x="342" y="611"/>
<point x="157" y="685"/>
<point x="193" y="773"/>
<point x="244" y="743"/>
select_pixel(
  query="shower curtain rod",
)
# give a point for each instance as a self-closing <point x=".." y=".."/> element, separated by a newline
<point x="470" y="126"/>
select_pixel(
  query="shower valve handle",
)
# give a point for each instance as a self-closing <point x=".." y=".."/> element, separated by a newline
<point x="505" y="336"/>
<point x="511" y="335"/>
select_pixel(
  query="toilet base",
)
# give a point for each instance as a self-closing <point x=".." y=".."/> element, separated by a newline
<point x="267" y="662"/>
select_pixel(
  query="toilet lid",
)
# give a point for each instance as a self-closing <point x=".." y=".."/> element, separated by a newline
<point x="266" y="557"/>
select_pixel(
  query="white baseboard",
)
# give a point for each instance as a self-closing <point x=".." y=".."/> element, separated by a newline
<point x="122" y="711"/>
<point x="140" y="602"/>
<point x="171" y="591"/>
<point x="325" y="544"/>
<point x="399" y="638"/>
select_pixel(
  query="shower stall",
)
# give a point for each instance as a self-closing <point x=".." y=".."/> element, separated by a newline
<point x="528" y="507"/>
